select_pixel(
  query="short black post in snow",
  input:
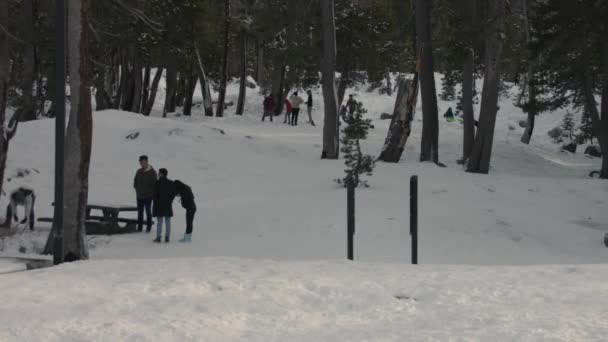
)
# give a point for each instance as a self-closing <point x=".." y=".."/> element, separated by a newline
<point x="60" y="66"/>
<point x="414" y="217"/>
<point x="350" y="213"/>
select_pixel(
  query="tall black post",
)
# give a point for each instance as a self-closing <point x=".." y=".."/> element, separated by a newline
<point x="60" y="43"/>
<point x="414" y="217"/>
<point x="350" y="212"/>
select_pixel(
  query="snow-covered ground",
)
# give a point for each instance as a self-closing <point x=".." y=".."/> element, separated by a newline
<point x="263" y="193"/>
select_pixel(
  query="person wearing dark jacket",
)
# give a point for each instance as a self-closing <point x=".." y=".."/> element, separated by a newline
<point x="351" y="104"/>
<point x="164" y="193"/>
<point x="309" y="107"/>
<point x="187" y="197"/>
<point x="144" y="181"/>
<point x="268" y="107"/>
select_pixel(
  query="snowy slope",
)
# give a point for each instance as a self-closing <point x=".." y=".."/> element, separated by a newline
<point x="239" y="300"/>
<point x="263" y="192"/>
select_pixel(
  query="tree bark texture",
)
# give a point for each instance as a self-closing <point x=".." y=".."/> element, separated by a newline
<point x="149" y="102"/>
<point x="207" y="103"/>
<point x="401" y="123"/>
<point x="243" y="81"/>
<point x="219" y="112"/>
<point x="331" y="145"/>
<point x="27" y="109"/>
<point x="430" y="118"/>
<point x="494" y="40"/>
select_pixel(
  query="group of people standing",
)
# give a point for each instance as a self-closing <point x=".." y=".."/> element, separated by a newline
<point x="155" y="195"/>
<point x="292" y="108"/>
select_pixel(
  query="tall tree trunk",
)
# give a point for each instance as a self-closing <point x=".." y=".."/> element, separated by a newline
<point x="190" y="86"/>
<point x="127" y="95"/>
<point x="389" y="85"/>
<point x="6" y="132"/>
<point x="468" y="12"/>
<point x="531" y="107"/>
<point x="137" y="83"/>
<point x="278" y="85"/>
<point x="482" y="149"/>
<point x="430" y="120"/>
<point x="149" y="102"/>
<point x="207" y="103"/>
<point x="78" y="136"/>
<point x="401" y="123"/>
<point x="224" y="77"/>
<point x="260" y="68"/>
<point x="145" y="88"/>
<point x="180" y="92"/>
<point x="122" y="83"/>
<point x="243" y="82"/>
<point x="468" y="112"/>
<point x="102" y="99"/>
<point x="27" y="110"/>
<point x="343" y="85"/>
<point x="171" y="81"/>
<point x="600" y="124"/>
<point x="331" y="146"/>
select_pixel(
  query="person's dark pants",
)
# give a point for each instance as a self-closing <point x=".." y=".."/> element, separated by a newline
<point x="190" y="218"/>
<point x="294" y="116"/>
<point x="141" y="205"/>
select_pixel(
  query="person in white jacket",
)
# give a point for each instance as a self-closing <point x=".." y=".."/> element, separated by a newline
<point x="296" y="101"/>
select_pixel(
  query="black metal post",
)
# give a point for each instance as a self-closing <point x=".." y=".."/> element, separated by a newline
<point x="414" y="217"/>
<point x="350" y="212"/>
<point x="60" y="66"/>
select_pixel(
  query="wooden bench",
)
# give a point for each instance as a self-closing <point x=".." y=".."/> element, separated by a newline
<point x="107" y="224"/>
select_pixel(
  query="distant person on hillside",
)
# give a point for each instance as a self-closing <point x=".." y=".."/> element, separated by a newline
<point x="164" y="193"/>
<point x="145" y="179"/>
<point x="268" y="107"/>
<point x="309" y="107"/>
<point x="449" y="115"/>
<point x="288" y="110"/>
<point x="187" y="197"/>
<point x="351" y="104"/>
<point x="296" y="101"/>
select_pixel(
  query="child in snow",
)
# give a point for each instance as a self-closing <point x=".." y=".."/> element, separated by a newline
<point x="288" y="110"/>
<point x="268" y="107"/>
<point x="164" y="193"/>
<point x="449" y="115"/>
<point x="185" y="193"/>
<point x="296" y="101"/>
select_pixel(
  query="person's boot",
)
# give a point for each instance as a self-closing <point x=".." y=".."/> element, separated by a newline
<point x="157" y="240"/>
<point x="187" y="238"/>
<point x="166" y="239"/>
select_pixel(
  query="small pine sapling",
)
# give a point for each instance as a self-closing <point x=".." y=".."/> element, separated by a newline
<point x="568" y="126"/>
<point x="585" y="130"/>
<point x="356" y="162"/>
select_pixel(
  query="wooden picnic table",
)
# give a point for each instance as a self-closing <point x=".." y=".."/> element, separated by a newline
<point x="110" y="222"/>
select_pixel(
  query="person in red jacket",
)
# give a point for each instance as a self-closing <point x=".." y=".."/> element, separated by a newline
<point x="268" y="107"/>
<point x="288" y="109"/>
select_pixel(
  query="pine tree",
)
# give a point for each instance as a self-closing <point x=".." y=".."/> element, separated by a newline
<point x="585" y="130"/>
<point x="448" y="86"/>
<point x="356" y="162"/>
<point x="568" y="126"/>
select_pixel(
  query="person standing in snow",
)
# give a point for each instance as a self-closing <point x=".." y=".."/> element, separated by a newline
<point x="296" y="101"/>
<point x="145" y="179"/>
<point x="268" y="107"/>
<point x="187" y="197"/>
<point x="164" y="193"/>
<point x="351" y="104"/>
<point x="449" y="115"/>
<point x="309" y="107"/>
<point x="288" y="110"/>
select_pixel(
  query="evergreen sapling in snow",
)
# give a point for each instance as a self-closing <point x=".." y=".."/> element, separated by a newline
<point x="585" y="130"/>
<point x="356" y="162"/>
<point x="568" y="126"/>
